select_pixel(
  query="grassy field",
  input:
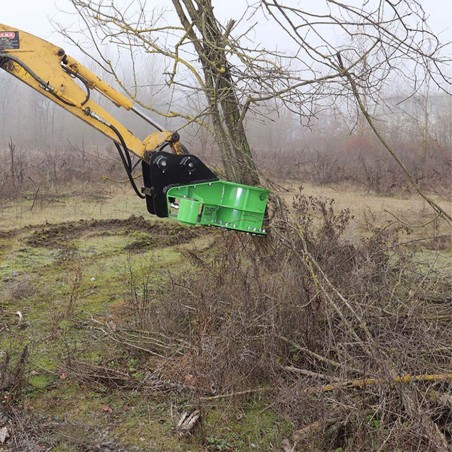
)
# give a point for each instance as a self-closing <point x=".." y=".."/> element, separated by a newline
<point x="66" y="265"/>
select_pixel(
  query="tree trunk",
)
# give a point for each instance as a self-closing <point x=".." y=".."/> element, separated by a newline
<point x="197" y="17"/>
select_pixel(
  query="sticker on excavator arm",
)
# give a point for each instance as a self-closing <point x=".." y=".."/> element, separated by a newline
<point x="9" y="40"/>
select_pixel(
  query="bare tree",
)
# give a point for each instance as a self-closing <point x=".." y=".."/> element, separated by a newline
<point x="378" y="41"/>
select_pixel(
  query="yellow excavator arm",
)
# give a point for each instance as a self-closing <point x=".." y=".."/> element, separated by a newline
<point x="50" y="71"/>
<point x="176" y="184"/>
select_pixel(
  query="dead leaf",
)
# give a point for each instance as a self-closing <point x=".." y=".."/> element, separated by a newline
<point x="4" y="435"/>
<point x="107" y="409"/>
<point x="190" y="380"/>
<point x="287" y="446"/>
<point x="187" y="422"/>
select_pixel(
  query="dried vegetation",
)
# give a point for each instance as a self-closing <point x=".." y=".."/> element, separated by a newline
<point x="349" y="342"/>
<point x="347" y="339"/>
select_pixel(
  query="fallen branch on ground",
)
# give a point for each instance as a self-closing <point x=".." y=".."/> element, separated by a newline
<point x="363" y="382"/>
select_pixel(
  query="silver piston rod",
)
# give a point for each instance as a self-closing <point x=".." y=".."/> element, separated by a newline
<point x="147" y="119"/>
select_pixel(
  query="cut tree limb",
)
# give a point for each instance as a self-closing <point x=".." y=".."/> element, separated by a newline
<point x="363" y="382"/>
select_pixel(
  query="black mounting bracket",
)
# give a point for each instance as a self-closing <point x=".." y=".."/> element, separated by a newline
<point x="165" y="170"/>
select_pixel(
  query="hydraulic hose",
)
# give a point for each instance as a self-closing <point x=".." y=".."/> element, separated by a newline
<point x="45" y="85"/>
<point x="126" y="160"/>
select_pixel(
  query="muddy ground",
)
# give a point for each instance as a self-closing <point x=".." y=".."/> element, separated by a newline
<point x="67" y="282"/>
<point x="58" y="280"/>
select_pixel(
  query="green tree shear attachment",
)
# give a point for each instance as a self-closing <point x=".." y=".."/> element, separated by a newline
<point x="219" y="203"/>
<point x="182" y="187"/>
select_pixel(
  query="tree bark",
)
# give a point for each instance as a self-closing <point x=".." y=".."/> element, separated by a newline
<point x="198" y="18"/>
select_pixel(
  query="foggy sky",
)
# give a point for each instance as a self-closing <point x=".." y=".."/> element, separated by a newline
<point x="36" y="16"/>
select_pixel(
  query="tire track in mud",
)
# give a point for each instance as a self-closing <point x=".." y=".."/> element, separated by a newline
<point x="61" y="235"/>
<point x="161" y="233"/>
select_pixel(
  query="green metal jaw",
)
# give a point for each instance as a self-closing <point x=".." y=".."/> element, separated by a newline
<point x="183" y="188"/>
<point x="220" y="203"/>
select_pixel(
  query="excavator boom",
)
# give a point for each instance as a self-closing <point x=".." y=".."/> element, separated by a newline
<point x="176" y="184"/>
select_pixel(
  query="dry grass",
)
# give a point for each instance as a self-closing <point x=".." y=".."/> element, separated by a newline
<point x="307" y="319"/>
<point x="379" y="209"/>
<point x="12" y="377"/>
<point x="345" y="300"/>
<point x="100" y="201"/>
